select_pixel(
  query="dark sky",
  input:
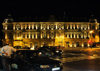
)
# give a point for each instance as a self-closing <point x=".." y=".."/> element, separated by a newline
<point x="73" y="8"/>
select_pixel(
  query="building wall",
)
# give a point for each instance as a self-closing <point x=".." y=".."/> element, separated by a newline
<point x="36" y="34"/>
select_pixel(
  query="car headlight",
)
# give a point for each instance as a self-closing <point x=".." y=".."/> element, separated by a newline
<point x="57" y="51"/>
<point x="56" y="69"/>
<point x="14" y="66"/>
<point x="44" y="66"/>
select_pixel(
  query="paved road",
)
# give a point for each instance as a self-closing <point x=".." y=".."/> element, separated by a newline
<point x="83" y="65"/>
<point x="81" y="61"/>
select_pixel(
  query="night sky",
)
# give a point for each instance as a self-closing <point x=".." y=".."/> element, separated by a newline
<point x="36" y="8"/>
<point x="73" y="8"/>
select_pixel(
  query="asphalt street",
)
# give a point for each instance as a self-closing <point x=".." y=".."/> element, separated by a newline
<point x="81" y="61"/>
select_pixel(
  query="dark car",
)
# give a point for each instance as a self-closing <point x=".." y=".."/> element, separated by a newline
<point x="50" y="51"/>
<point x="26" y="47"/>
<point x="18" y="47"/>
<point x="28" y="60"/>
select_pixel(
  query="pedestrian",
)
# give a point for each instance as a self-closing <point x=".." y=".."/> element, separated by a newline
<point x="1" y="60"/>
<point x="7" y="51"/>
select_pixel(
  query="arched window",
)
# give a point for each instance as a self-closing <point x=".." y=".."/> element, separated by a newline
<point x="17" y="27"/>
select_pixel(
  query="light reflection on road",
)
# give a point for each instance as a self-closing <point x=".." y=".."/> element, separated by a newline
<point x="80" y="56"/>
<point x="71" y="59"/>
<point x="84" y="57"/>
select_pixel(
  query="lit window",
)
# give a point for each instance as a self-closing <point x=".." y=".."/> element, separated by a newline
<point x="41" y="35"/>
<point x="56" y="26"/>
<point x="88" y="27"/>
<point x="5" y="27"/>
<point x="18" y="27"/>
<point x="89" y="35"/>
<point x="32" y="36"/>
<point x="77" y="35"/>
<point x="36" y="36"/>
<point x="6" y="36"/>
<point x="74" y="45"/>
<point x="96" y="27"/>
<point x="67" y="35"/>
<point x="67" y="26"/>
<point x="77" y="26"/>
<point x="70" y="45"/>
<point x="32" y="26"/>
<point x="62" y="27"/>
<point x="74" y="35"/>
<point x="82" y="45"/>
<point x="70" y="26"/>
<point x="48" y="36"/>
<point x="70" y="35"/>
<point x="88" y="45"/>
<point x="85" y="36"/>
<point x="36" y="26"/>
<point x="74" y="26"/>
<point x="81" y="27"/>
<point x="29" y="35"/>
<point x="84" y="28"/>
<point x="48" y="27"/>
<point x="81" y="35"/>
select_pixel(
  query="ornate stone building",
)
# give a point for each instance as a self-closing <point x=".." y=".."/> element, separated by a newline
<point x="36" y="34"/>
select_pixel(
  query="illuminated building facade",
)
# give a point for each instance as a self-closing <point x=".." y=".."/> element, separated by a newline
<point x="36" y="34"/>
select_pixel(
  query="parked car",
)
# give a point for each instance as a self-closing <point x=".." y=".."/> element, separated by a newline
<point x="18" y="47"/>
<point x="29" y="60"/>
<point x="26" y="47"/>
<point x="50" y="51"/>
